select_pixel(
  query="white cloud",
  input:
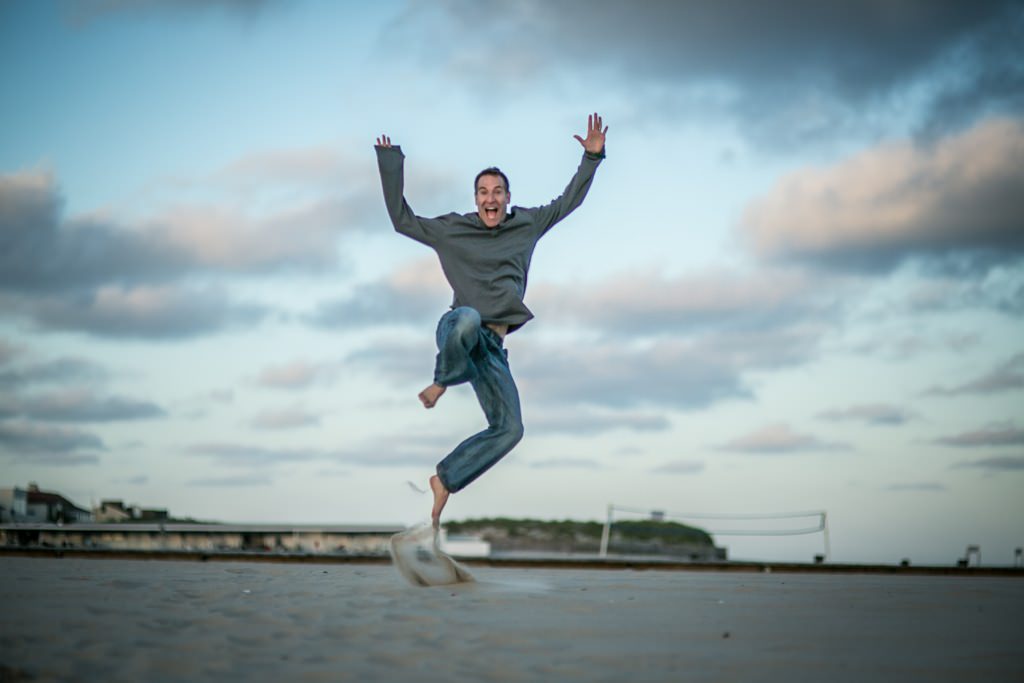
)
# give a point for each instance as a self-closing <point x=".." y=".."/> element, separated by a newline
<point x="245" y="455"/>
<point x="589" y="422"/>
<point x="870" y="413"/>
<point x="79" y="405"/>
<point x="961" y="195"/>
<point x="153" y="312"/>
<point x="61" y="370"/>
<point x="922" y="486"/>
<point x="286" y="418"/>
<point x="998" y="463"/>
<point x="1000" y="434"/>
<point x="1008" y="376"/>
<point x="665" y="374"/>
<point x="231" y="482"/>
<point x="567" y="463"/>
<point x="680" y="467"/>
<point x="296" y="374"/>
<point x="779" y="439"/>
<point x="27" y="441"/>
<point x="413" y="293"/>
<point x="49" y="258"/>
<point x="641" y="302"/>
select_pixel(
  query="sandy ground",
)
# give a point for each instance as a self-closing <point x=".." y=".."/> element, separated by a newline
<point x="127" y="620"/>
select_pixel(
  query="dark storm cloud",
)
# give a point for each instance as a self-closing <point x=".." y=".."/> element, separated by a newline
<point x="785" y="69"/>
<point x="1008" y="376"/>
<point x="1001" y="434"/>
<point x="870" y="413"/>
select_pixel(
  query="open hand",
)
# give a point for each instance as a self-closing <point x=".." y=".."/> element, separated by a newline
<point x="383" y="141"/>
<point x="595" y="135"/>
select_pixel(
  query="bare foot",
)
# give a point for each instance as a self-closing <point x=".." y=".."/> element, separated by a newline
<point x="440" y="498"/>
<point x="429" y="396"/>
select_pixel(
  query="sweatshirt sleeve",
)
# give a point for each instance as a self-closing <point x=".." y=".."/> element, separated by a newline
<point x="573" y="195"/>
<point x="390" y="162"/>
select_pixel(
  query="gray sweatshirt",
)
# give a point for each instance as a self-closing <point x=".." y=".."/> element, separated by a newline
<point x="486" y="267"/>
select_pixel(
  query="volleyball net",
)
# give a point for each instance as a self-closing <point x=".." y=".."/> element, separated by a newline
<point x="731" y="524"/>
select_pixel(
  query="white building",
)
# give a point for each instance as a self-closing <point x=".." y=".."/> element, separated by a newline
<point x="13" y="505"/>
<point x="33" y="505"/>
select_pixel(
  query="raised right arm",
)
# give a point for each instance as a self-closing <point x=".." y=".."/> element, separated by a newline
<point x="390" y="162"/>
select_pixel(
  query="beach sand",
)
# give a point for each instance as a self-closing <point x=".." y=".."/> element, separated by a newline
<point x="127" y="620"/>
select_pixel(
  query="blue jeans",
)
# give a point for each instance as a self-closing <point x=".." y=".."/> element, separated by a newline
<point x="469" y="351"/>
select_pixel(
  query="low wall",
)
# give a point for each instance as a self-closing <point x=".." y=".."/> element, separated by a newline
<point x="359" y="540"/>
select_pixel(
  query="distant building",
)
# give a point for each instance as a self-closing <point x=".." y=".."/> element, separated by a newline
<point x="117" y="511"/>
<point x="13" y="505"/>
<point x="152" y="515"/>
<point x="111" y="511"/>
<point x="45" y="506"/>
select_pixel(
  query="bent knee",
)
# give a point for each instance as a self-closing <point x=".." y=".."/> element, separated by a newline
<point x="466" y="317"/>
<point x="465" y="324"/>
<point x="514" y="433"/>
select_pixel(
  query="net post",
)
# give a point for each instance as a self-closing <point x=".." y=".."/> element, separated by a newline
<point x="828" y="542"/>
<point x="606" y="532"/>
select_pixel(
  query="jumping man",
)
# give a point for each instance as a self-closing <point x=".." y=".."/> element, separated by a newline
<point x="486" y="257"/>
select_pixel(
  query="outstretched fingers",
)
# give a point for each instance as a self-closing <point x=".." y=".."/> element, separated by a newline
<point x="594" y="142"/>
<point x="383" y="141"/>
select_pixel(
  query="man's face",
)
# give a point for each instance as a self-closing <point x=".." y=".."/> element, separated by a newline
<point x="491" y="200"/>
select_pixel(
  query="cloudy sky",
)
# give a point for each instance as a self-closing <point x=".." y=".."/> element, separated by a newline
<point x="797" y="283"/>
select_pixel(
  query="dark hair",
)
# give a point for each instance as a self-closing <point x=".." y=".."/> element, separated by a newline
<point x="493" y="170"/>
